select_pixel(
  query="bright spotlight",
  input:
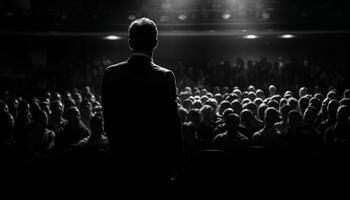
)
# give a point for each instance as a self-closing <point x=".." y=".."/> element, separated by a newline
<point x="226" y="16"/>
<point x="182" y="17"/>
<point x="112" y="37"/>
<point x="131" y="17"/>
<point x="251" y="37"/>
<point x="287" y="36"/>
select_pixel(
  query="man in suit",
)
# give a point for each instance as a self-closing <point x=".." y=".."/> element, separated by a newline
<point x="140" y="110"/>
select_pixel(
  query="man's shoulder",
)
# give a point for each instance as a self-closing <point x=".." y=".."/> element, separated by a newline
<point x="162" y="70"/>
<point x="117" y="66"/>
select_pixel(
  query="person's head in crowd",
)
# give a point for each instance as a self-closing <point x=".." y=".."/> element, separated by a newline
<point x="66" y="95"/>
<point x="323" y="111"/>
<point x="183" y="96"/>
<point x="271" y="117"/>
<point x="246" y="116"/>
<point x="45" y="106"/>
<point x="252" y="96"/>
<point x="276" y="97"/>
<point x="41" y="120"/>
<point x="260" y="93"/>
<point x="293" y="103"/>
<point x="210" y="95"/>
<point x="251" y="106"/>
<point x="194" y="116"/>
<point x="3" y="107"/>
<point x="246" y="100"/>
<point x="98" y="111"/>
<point x="231" y="97"/>
<point x="272" y="90"/>
<point x="244" y="95"/>
<point x="294" y="119"/>
<point x="251" y="88"/>
<point x="261" y="111"/>
<point x="302" y="92"/>
<point x="346" y="93"/>
<point x="226" y="113"/>
<point x="96" y="125"/>
<point x="188" y="89"/>
<point x="207" y="114"/>
<point x="222" y="106"/>
<point x="343" y="114"/>
<point x="236" y="106"/>
<point x="273" y="104"/>
<point x="303" y="103"/>
<point x="283" y="101"/>
<point x="288" y="94"/>
<point x="73" y="115"/>
<point x="238" y="93"/>
<point x="332" y="95"/>
<point x="196" y="91"/>
<point x="187" y="104"/>
<point x="218" y="97"/>
<point x="69" y="103"/>
<point x="56" y="109"/>
<point x="213" y="103"/>
<point x="86" y="108"/>
<point x="232" y="122"/>
<point x="225" y="90"/>
<point x="143" y="35"/>
<point x="197" y="104"/>
<point x="77" y="98"/>
<point x="23" y="109"/>
<point x="345" y="101"/>
<point x="216" y="90"/>
<point x="203" y="92"/>
<point x="47" y="96"/>
<point x="319" y="96"/>
<point x="183" y="114"/>
<point x="34" y="109"/>
<point x="258" y="101"/>
<point x="332" y="108"/>
<point x="91" y="97"/>
<point x="197" y="97"/>
<point x="315" y="102"/>
<point x="310" y="115"/>
<point x="204" y="99"/>
<point x="56" y="97"/>
<point x="284" y="110"/>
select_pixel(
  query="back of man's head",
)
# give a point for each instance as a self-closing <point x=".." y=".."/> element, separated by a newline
<point x="143" y="34"/>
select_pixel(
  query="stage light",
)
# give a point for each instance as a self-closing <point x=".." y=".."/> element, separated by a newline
<point x="287" y="36"/>
<point x="112" y="37"/>
<point x="131" y="17"/>
<point x="250" y="37"/>
<point x="182" y="17"/>
<point x="226" y="15"/>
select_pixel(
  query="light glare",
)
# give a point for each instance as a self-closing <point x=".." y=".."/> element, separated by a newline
<point x="251" y="37"/>
<point x="112" y="37"/>
<point x="287" y="36"/>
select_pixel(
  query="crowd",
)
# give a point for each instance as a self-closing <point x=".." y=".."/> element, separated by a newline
<point x="223" y="119"/>
<point x="219" y="120"/>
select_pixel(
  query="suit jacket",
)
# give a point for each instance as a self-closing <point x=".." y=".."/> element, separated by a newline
<point x="141" y="118"/>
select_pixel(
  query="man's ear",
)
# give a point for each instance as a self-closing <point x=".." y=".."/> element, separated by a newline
<point x="131" y="45"/>
<point x="155" y="44"/>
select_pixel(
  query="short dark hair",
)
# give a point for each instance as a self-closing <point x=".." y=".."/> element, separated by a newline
<point x="143" y="34"/>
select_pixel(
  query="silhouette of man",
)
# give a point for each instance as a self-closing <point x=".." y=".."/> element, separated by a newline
<point x="142" y="121"/>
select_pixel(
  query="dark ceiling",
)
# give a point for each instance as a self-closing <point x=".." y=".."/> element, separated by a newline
<point x="115" y="15"/>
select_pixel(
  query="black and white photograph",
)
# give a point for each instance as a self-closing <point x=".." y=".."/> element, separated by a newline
<point x="147" y="98"/>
